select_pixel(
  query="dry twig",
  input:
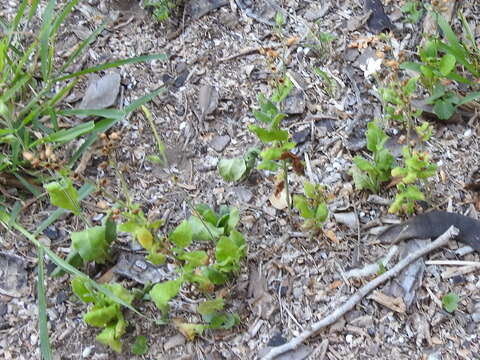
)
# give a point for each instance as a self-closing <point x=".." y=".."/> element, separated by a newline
<point x="360" y="294"/>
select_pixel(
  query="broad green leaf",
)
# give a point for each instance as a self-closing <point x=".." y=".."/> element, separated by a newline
<point x="443" y="109"/>
<point x="190" y="331"/>
<point x="263" y="117"/>
<point x="450" y="302"/>
<point x="80" y="289"/>
<point x="321" y="213"/>
<point x="267" y="136"/>
<point x="216" y="276"/>
<point x="182" y="235"/>
<point x="309" y="189"/>
<point x="108" y="337"/>
<point x="210" y="307"/>
<point x="130" y="226"/>
<point x="103" y="316"/>
<point x="232" y="169"/>
<point x="92" y="244"/>
<point x="363" y="164"/>
<point x="163" y="292"/>
<point x="233" y="220"/>
<point x="144" y="237"/>
<point x="204" y="231"/>
<point x="140" y="346"/>
<point x="301" y="204"/>
<point x="64" y="195"/>
<point x="194" y="258"/>
<point x="447" y="64"/>
<point x="207" y="213"/>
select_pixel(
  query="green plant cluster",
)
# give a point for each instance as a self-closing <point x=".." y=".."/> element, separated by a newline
<point x="193" y="266"/>
<point x="312" y="206"/>
<point x="32" y="87"/>
<point x="370" y="174"/>
<point x="161" y="8"/>
<point x="445" y="61"/>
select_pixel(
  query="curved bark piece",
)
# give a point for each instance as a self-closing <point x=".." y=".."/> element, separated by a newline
<point x="432" y="225"/>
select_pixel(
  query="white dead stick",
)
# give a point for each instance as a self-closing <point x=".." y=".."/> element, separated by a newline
<point x="360" y="294"/>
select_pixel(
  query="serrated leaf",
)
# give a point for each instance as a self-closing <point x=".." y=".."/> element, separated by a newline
<point x="301" y="204"/>
<point x="107" y="337"/>
<point x="101" y="317"/>
<point x="210" y="307"/>
<point x="79" y="289"/>
<point x="182" y="235"/>
<point x="207" y="213"/>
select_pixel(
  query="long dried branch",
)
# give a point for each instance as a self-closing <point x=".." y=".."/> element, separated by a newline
<point x="361" y="293"/>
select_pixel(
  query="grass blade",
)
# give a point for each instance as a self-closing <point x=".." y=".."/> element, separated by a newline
<point x="13" y="89"/>
<point x="143" y="100"/>
<point x="65" y="135"/>
<point x="80" y="47"/>
<point x="45" y="349"/>
<point x="67" y="9"/>
<point x="4" y="217"/>
<point x="44" y="36"/>
<point x="113" y="64"/>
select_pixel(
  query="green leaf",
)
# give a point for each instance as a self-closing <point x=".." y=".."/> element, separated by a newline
<point x="64" y="195"/>
<point x="207" y="213"/>
<point x="443" y="109"/>
<point x="109" y="338"/>
<point x="376" y="137"/>
<point x="233" y="220"/>
<point x="321" y="213"/>
<point x="450" y="302"/>
<point x="103" y="316"/>
<point x="204" y="231"/>
<point x="267" y="136"/>
<point x="140" y="346"/>
<point x="182" y="235"/>
<point x="232" y="169"/>
<point x="194" y="258"/>
<point x="163" y="292"/>
<point x="92" y="244"/>
<point x="301" y="204"/>
<point x="45" y="348"/>
<point x="210" y="307"/>
<point x="190" y="331"/>
<point x="447" y="64"/>
<point x="80" y="289"/>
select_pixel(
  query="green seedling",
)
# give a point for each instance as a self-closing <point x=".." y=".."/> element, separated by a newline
<point x="413" y="11"/>
<point x="161" y="8"/>
<point x="450" y="302"/>
<point x="370" y="174"/>
<point x="276" y="153"/>
<point x="239" y="168"/>
<point x="330" y="85"/>
<point x="104" y="313"/>
<point x="312" y="206"/>
<point x="425" y="131"/>
<point x="396" y="99"/>
<point x="140" y="346"/>
<point x="442" y="62"/>
<point x="417" y="168"/>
